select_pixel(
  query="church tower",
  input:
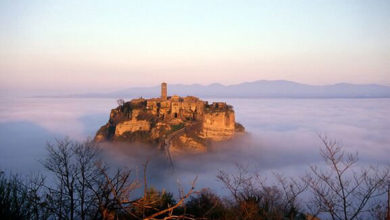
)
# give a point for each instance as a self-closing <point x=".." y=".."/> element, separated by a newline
<point x="164" y="91"/>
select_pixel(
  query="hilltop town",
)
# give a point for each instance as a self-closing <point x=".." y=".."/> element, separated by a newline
<point x="173" y="123"/>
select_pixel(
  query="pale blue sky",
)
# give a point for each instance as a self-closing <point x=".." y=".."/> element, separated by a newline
<point x="77" y="46"/>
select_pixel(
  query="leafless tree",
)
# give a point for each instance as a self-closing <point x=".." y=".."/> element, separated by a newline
<point x="378" y="212"/>
<point x="254" y="198"/>
<point x="240" y="185"/>
<point x="13" y="198"/>
<point x="86" y="158"/>
<point x="113" y="192"/>
<point x="291" y="189"/>
<point x="83" y="187"/>
<point x="35" y="196"/>
<point x="169" y="210"/>
<point x="245" y="191"/>
<point x="149" y="205"/>
<point x="60" y="162"/>
<point x="341" y="189"/>
<point x="206" y="205"/>
<point x="73" y="166"/>
<point x="120" y="102"/>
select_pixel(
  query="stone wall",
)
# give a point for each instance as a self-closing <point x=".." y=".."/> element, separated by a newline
<point x="131" y="126"/>
<point x="218" y="126"/>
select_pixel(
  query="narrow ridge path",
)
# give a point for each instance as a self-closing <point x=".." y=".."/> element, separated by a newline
<point x="168" y="141"/>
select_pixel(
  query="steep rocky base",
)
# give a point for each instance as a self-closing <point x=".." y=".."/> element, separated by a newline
<point x="177" y="125"/>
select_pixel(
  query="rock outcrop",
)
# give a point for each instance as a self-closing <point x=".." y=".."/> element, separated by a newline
<point x="177" y="124"/>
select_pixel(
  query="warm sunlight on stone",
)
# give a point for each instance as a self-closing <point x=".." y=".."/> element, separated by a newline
<point x="171" y="123"/>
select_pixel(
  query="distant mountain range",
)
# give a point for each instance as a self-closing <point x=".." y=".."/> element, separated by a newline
<point x="256" y="89"/>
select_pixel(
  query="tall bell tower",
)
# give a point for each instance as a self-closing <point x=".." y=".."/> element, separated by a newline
<point x="164" y="91"/>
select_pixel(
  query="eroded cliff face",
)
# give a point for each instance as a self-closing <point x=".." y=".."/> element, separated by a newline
<point x="218" y="126"/>
<point x="188" y="144"/>
<point x="184" y="125"/>
<point x="131" y="126"/>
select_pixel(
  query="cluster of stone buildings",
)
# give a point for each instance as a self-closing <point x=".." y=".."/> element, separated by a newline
<point x="218" y="121"/>
<point x="157" y="116"/>
<point x="184" y="108"/>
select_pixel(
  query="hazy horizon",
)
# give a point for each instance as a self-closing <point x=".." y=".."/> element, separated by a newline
<point x="72" y="93"/>
<point x="287" y="87"/>
<point x="60" y="47"/>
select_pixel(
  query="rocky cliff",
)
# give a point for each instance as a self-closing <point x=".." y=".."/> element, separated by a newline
<point x="177" y="124"/>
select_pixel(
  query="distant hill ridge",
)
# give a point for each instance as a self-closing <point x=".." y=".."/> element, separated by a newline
<point x="257" y="89"/>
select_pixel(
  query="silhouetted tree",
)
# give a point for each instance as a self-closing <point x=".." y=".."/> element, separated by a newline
<point x="291" y="188"/>
<point x="35" y="186"/>
<point x="86" y="158"/>
<point x="83" y="187"/>
<point x="205" y="205"/>
<point x="13" y="198"/>
<point x="74" y="170"/>
<point x="254" y="199"/>
<point x="341" y="189"/>
<point x="120" y="102"/>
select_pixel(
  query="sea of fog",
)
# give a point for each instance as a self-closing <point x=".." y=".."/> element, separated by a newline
<point x="282" y="136"/>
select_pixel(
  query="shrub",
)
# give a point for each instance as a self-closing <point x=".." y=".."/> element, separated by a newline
<point x="206" y="205"/>
<point x="177" y="127"/>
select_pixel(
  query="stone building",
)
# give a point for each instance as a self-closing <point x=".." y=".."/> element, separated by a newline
<point x="154" y="119"/>
<point x="163" y="91"/>
<point x="171" y="107"/>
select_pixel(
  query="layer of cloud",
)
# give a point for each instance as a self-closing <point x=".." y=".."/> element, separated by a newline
<point x="282" y="136"/>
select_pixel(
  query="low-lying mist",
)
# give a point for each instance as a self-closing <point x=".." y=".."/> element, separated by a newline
<point x="282" y="136"/>
<point x="245" y="150"/>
